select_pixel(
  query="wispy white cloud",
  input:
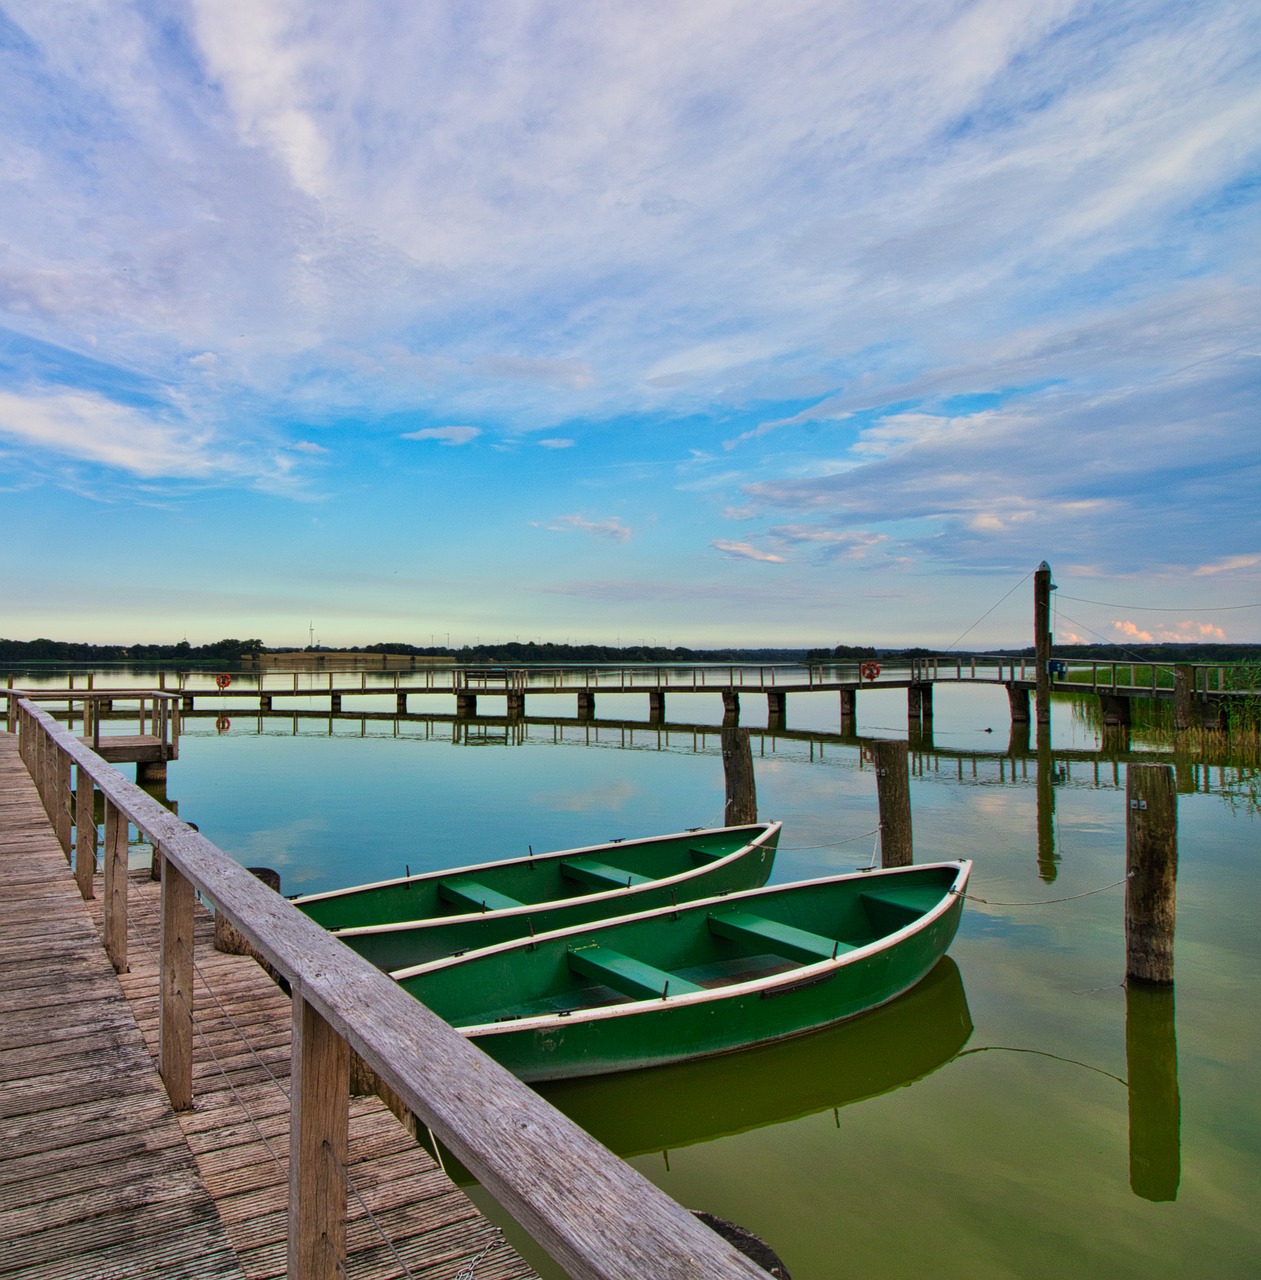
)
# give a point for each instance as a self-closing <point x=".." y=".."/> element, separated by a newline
<point x="745" y="551"/>
<point x="611" y="527"/>
<point x="90" y="428"/>
<point x="555" y="442"/>
<point x="445" y="435"/>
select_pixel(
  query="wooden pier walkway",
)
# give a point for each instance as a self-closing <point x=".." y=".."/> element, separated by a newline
<point x="99" y="1178"/>
<point x="96" y="1178"/>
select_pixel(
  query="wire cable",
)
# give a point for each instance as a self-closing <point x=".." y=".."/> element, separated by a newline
<point x="1153" y="608"/>
<point x="991" y="609"/>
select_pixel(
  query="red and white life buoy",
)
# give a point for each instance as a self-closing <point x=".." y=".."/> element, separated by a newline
<point x="223" y="724"/>
<point x="869" y="670"/>
<point x="223" y="681"/>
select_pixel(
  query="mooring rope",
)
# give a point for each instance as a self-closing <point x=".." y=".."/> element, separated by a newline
<point x="829" y="844"/>
<point x="1047" y="902"/>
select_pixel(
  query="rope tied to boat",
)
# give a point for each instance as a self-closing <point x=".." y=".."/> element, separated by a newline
<point x="1043" y="902"/>
<point x="829" y="844"/>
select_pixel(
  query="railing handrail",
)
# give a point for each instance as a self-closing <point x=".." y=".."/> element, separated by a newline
<point x="595" y="1215"/>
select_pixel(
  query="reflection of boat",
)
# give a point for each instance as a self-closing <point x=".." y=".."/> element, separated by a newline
<point x="675" y="1106"/>
<point x="699" y="979"/>
<point x="409" y="921"/>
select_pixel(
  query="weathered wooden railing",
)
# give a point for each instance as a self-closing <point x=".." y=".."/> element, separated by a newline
<point x="156" y="712"/>
<point x="596" y="1216"/>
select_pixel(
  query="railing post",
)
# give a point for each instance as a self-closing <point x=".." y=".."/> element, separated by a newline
<point x="318" y="1142"/>
<point x="61" y="797"/>
<point x="84" y="831"/>
<point x="115" y="876"/>
<point x="175" y="1015"/>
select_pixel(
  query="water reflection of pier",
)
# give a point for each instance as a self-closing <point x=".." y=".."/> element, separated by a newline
<point x="1019" y="762"/>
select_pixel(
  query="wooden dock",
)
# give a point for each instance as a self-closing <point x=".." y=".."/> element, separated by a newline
<point x="100" y="1178"/>
<point x="96" y="1178"/>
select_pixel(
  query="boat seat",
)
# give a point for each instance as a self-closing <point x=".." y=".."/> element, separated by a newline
<point x="705" y="856"/>
<point x="624" y="973"/>
<point x="599" y="874"/>
<point x="474" y="897"/>
<point x="783" y="939"/>
<point x="888" y="912"/>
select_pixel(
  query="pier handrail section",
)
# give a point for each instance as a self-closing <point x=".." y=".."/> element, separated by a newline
<point x="595" y="1215"/>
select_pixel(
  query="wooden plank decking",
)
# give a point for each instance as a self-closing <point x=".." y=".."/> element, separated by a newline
<point x="96" y="1178"/>
<point x="99" y="1178"/>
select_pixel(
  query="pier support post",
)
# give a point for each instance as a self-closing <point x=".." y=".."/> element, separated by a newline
<point x="319" y="1126"/>
<point x="334" y="702"/>
<point x="264" y="701"/>
<point x="1151" y="864"/>
<point x="730" y="707"/>
<point x="1116" y="710"/>
<point x="400" y="704"/>
<point x="849" y="710"/>
<point x="175" y="965"/>
<point x="186" y="702"/>
<point x="737" y="768"/>
<point x="1042" y="639"/>
<point x="1018" y="701"/>
<point x="893" y="790"/>
<point x="586" y="704"/>
<point x="516" y="703"/>
<point x="150" y="772"/>
<point x="84" y="832"/>
<point x="1183" y="697"/>
<point x="776" y="709"/>
<point x="919" y="706"/>
<point x="466" y="704"/>
<point x="656" y="704"/>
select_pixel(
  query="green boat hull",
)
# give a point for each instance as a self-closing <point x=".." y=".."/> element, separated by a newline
<point x="676" y="1106"/>
<point x="400" y="923"/>
<point x="712" y="977"/>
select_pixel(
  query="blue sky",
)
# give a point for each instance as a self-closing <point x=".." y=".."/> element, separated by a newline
<point x="710" y="323"/>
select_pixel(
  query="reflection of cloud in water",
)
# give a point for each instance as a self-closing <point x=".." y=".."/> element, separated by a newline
<point x="612" y="796"/>
<point x="285" y="847"/>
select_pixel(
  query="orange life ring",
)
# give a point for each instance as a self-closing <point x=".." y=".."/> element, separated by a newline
<point x="869" y="670"/>
<point x="223" y="681"/>
<point x="223" y="724"/>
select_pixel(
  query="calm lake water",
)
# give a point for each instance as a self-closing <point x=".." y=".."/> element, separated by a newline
<point x="1014" y="1116"/>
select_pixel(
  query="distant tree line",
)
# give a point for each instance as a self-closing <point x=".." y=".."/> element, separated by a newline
<point x="224" y="651"/>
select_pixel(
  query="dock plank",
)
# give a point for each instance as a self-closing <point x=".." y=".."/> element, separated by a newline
<point x="96" y="1179"/>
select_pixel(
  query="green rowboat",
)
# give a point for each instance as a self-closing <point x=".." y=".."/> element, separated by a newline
<point x="704" y="978"/>
<point x="416" y="919"/>
<point x="667" y="1108"/>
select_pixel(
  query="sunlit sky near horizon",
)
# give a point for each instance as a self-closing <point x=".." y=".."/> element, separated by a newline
<point x="709" y="323"/>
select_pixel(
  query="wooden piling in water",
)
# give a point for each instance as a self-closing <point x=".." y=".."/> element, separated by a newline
<point x="1042" y="640"/>
<point x="730" y="706"/>
<point x="1151" y="865"/>
<point x="737" y="768"/>
<point x="1183" y="697"/>
<point x="776" y="709"/>
<point x="656" y="704"/>
<point x="586" y="704"/>
<point x="849" y="710"/>
<point x="893" y="791"/>
<point x="1018" y="701"/>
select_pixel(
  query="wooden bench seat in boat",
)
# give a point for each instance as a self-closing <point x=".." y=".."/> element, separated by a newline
<point x="703" y="857"/>
<point x="474" y="897"/>
<point x="624" y="973"/>
<point x="783" y="939"/>
<point x="888" y="912"/>
<point x="600" y="875"/>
